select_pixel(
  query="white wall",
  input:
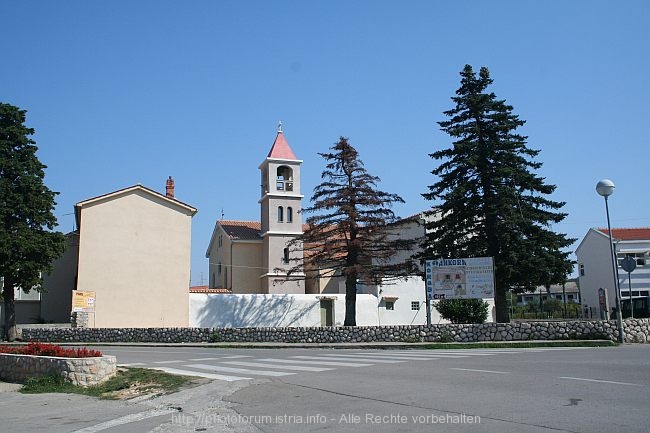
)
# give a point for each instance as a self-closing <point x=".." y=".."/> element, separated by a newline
<point x="223" y="310"/>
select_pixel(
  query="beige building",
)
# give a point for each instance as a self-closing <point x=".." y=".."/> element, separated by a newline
<point x="252" y="256"/>
<point x="134" y="253"/>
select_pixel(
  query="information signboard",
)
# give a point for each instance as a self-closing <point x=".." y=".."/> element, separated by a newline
<point x="460" y="278"/>
<point x="83" y="302"/>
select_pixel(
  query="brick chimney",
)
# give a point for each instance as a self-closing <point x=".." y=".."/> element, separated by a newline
<point x="170" y="187"/>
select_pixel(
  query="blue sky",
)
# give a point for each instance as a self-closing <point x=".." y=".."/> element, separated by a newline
<point x="127" y="92"/>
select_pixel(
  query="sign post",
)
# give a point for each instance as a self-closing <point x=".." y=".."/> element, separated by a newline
<point x="84" y="303"/>
<point x="629" y="264"/>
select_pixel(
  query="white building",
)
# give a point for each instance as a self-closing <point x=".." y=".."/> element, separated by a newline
<point x="595" y="269"/>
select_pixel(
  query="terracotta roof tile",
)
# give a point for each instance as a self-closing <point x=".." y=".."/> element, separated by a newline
<point x="242" y="230"/>
<point x="629" y="234"/>
<point x="205" y="289"/>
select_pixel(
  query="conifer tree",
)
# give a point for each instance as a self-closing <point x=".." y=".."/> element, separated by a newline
<point x="28" y="244"/>
<point x="349" y="233"/>
<point x="489" y="201"/>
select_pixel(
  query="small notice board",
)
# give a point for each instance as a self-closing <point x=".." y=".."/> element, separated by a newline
<point x="83" y="302"/>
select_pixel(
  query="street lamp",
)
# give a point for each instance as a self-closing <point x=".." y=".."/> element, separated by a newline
<point x="606" y="188"/>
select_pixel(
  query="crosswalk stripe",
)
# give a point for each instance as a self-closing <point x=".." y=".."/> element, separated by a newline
<point x="238" y="370"/>
<point x="407" y="354"/>
<point x="452" y="352"/>
<point x="318" y="362"/>
<point x="168" y="362"/>
<point x="465" y="353"/>
<point x="350" y="358"/>
<point x="286" y="367"/>
<point x="201" y="374"/>
<point x="203" y="359"/>
<point x="236" y="356"/>
<point x="132" y="364"/>
<point x="387" y="356"/>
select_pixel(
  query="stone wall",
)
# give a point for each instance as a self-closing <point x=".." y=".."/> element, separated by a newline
<point x="637" y="331"/>
<point x="79" y="371"/>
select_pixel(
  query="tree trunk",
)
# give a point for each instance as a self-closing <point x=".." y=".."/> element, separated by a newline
<point x="10" y="310"/>
<point x="350" y="301"/>
<point x="501" y="304"/>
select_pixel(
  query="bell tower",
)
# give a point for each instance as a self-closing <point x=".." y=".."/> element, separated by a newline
<point x="281" y="219"/>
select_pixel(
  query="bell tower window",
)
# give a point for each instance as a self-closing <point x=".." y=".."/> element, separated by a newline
<point x="284" y="180"/>
<point x="280" y="214"/>
<point x="289" y="214"/>
<point x="285" y="255"/>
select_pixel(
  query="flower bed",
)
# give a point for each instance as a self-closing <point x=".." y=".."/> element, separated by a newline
<point x="45" y="349"/>
<point x="79" y="366"/>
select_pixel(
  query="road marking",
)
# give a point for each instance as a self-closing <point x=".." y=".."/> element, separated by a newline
<point x="167" y="362"/>
<point x="431" y="356"/>
<point x="201" y="374"/>
<point x="239" y="370"/>
<point x="203" y="359"/>
<point x="392" y="356"/>
<point x="480" y="371"/>
<point x="332" y="363"/>
<point x="132" y="364"/>
<point x="134" y="417"/>
<point x="600" y="381"/>
<point x="236" y="356"/>
<point x="352" y="358"/>
<point x="286" y="367"/>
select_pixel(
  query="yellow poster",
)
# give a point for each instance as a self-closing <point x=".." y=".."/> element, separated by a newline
<point x="83" y="302"/>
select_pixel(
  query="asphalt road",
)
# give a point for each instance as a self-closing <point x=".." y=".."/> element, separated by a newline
<point x="309" y="390"/>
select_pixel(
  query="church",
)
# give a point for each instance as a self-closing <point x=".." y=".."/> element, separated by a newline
<point x="249" y="262"/>
<point x="252" y="256"/>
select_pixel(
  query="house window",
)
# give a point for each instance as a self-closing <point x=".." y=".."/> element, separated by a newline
<point x="415" y="305"/>
<point x="390" y="305"/>
<point x="558" y="297"/>
<point x="289" y="214"/>
<point x="582" y="269"/>
<point x="280" y="214"/>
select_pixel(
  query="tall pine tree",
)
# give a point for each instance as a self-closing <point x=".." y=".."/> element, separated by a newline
<point x="488" y="199"/>
<point x="349" y="233"/>
<point x="26" y="221"/>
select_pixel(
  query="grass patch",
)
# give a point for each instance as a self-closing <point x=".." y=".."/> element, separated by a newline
<point x="128" y="383"/>
<point x="519" y="344"/>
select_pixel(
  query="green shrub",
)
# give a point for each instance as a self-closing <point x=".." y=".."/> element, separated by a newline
<point x="463" y="310"/>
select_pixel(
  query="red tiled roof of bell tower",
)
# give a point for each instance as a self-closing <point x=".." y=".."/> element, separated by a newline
<point x="281" y="149"/>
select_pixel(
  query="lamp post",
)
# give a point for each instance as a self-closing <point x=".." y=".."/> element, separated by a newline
<point x="606" y="188"/>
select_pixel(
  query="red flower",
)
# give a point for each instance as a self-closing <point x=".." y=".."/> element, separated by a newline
<point x="46" y="349"/>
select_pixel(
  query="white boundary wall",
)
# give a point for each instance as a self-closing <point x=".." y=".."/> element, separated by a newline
<point x="299" y="310"/>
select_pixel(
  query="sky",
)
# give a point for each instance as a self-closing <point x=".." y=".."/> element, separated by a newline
<point x="126" y="92"/>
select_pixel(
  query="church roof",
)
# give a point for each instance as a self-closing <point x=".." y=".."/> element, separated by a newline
<point x="281" y="149"/>
<point x="242" y="230"/>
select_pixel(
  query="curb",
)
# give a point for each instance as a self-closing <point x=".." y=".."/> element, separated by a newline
<point x="359" y="345"/>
